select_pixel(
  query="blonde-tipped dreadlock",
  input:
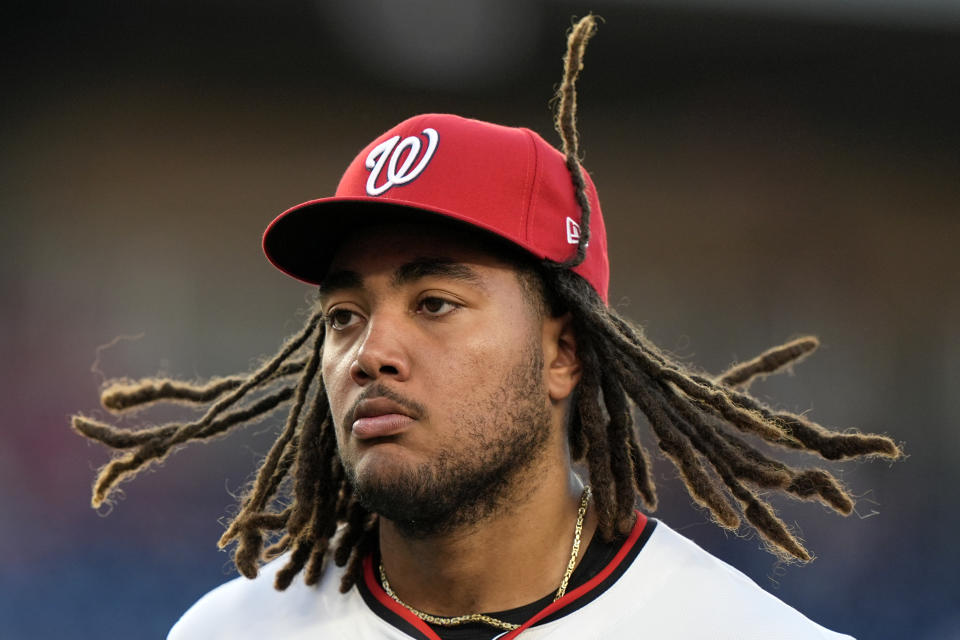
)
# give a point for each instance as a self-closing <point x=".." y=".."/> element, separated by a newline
<point x="566" y="125"/>
<point x="698" y="422"/>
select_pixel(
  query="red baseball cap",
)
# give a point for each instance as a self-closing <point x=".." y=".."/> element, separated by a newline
<point x="505" y="180"/>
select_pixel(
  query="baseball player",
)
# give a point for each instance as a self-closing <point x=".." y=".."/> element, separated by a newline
<point x="459" y="458"/>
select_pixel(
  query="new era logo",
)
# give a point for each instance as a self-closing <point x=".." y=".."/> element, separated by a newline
<point x="573" y="231"/>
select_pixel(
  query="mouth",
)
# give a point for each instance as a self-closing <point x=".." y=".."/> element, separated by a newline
<point x="379" y="418"/>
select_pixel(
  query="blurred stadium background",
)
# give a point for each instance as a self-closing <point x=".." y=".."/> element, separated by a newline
<point x="767" y="169"/>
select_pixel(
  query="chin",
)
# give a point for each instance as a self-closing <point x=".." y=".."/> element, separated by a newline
<point x="384" y="462"/>
<point x="399" y="488"/>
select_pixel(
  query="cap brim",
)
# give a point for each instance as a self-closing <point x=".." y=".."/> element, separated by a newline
<point x="303" y="240"/>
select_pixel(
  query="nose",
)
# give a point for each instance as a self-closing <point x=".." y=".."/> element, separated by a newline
<point x="381" y="354"/>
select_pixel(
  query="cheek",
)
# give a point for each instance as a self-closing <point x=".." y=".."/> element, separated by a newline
<point x="479" y="366"/>
<point x="336" y="376"/>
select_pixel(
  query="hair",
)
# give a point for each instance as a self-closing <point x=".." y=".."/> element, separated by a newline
<point x="302" y="504"/>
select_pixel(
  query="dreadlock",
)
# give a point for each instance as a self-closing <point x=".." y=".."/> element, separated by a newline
<point x="566" y="124"/>
<point x="302" y="504"/>
<point x="695" y="419"/>
<point x="323" y="517"/>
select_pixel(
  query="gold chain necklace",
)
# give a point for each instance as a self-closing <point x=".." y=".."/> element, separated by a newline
<point x="489" y="620"/>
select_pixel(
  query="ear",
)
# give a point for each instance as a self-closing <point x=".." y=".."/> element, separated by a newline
<point x="561" y="364"/>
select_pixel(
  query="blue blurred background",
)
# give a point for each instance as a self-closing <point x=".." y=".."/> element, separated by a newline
<point x="767" y="169"/>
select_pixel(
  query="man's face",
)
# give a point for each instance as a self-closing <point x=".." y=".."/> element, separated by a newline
<point x="433" y="364"/>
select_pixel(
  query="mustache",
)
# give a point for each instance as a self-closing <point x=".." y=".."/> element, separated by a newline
<point x="379" y="390"/>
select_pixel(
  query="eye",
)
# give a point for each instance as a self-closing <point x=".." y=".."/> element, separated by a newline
<point x="340" y="318"/>
<point x="433" y="306"/>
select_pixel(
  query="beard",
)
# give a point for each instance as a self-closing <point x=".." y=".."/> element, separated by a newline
<point x="501" y="439"/>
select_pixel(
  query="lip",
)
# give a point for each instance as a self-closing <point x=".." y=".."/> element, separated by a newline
<point x="379" y="418"/>
<point x="389" y="424"/>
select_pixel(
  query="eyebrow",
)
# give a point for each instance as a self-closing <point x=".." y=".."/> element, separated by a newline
<point x="339" y="280"/>
<point x="442" y="267"/>
<point x="405" y="274"/>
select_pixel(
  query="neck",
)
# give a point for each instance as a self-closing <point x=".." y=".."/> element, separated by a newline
<point x="513" y="557"/>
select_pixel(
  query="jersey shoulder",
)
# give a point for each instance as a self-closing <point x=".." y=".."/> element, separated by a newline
<point x="676" y="589"/>
<point x="244" y="608"/>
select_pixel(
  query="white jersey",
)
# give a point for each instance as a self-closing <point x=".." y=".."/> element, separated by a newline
<point x="658" y="585"/>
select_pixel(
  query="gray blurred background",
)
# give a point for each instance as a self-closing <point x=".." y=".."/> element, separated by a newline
<point x="767" y="169"/>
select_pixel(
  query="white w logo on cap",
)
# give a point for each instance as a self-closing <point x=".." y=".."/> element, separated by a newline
<point x="389" y="153"/>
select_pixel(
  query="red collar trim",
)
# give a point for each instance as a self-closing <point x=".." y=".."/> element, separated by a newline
<point x="373" y="584"/>
<point x="590" y="584"/>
